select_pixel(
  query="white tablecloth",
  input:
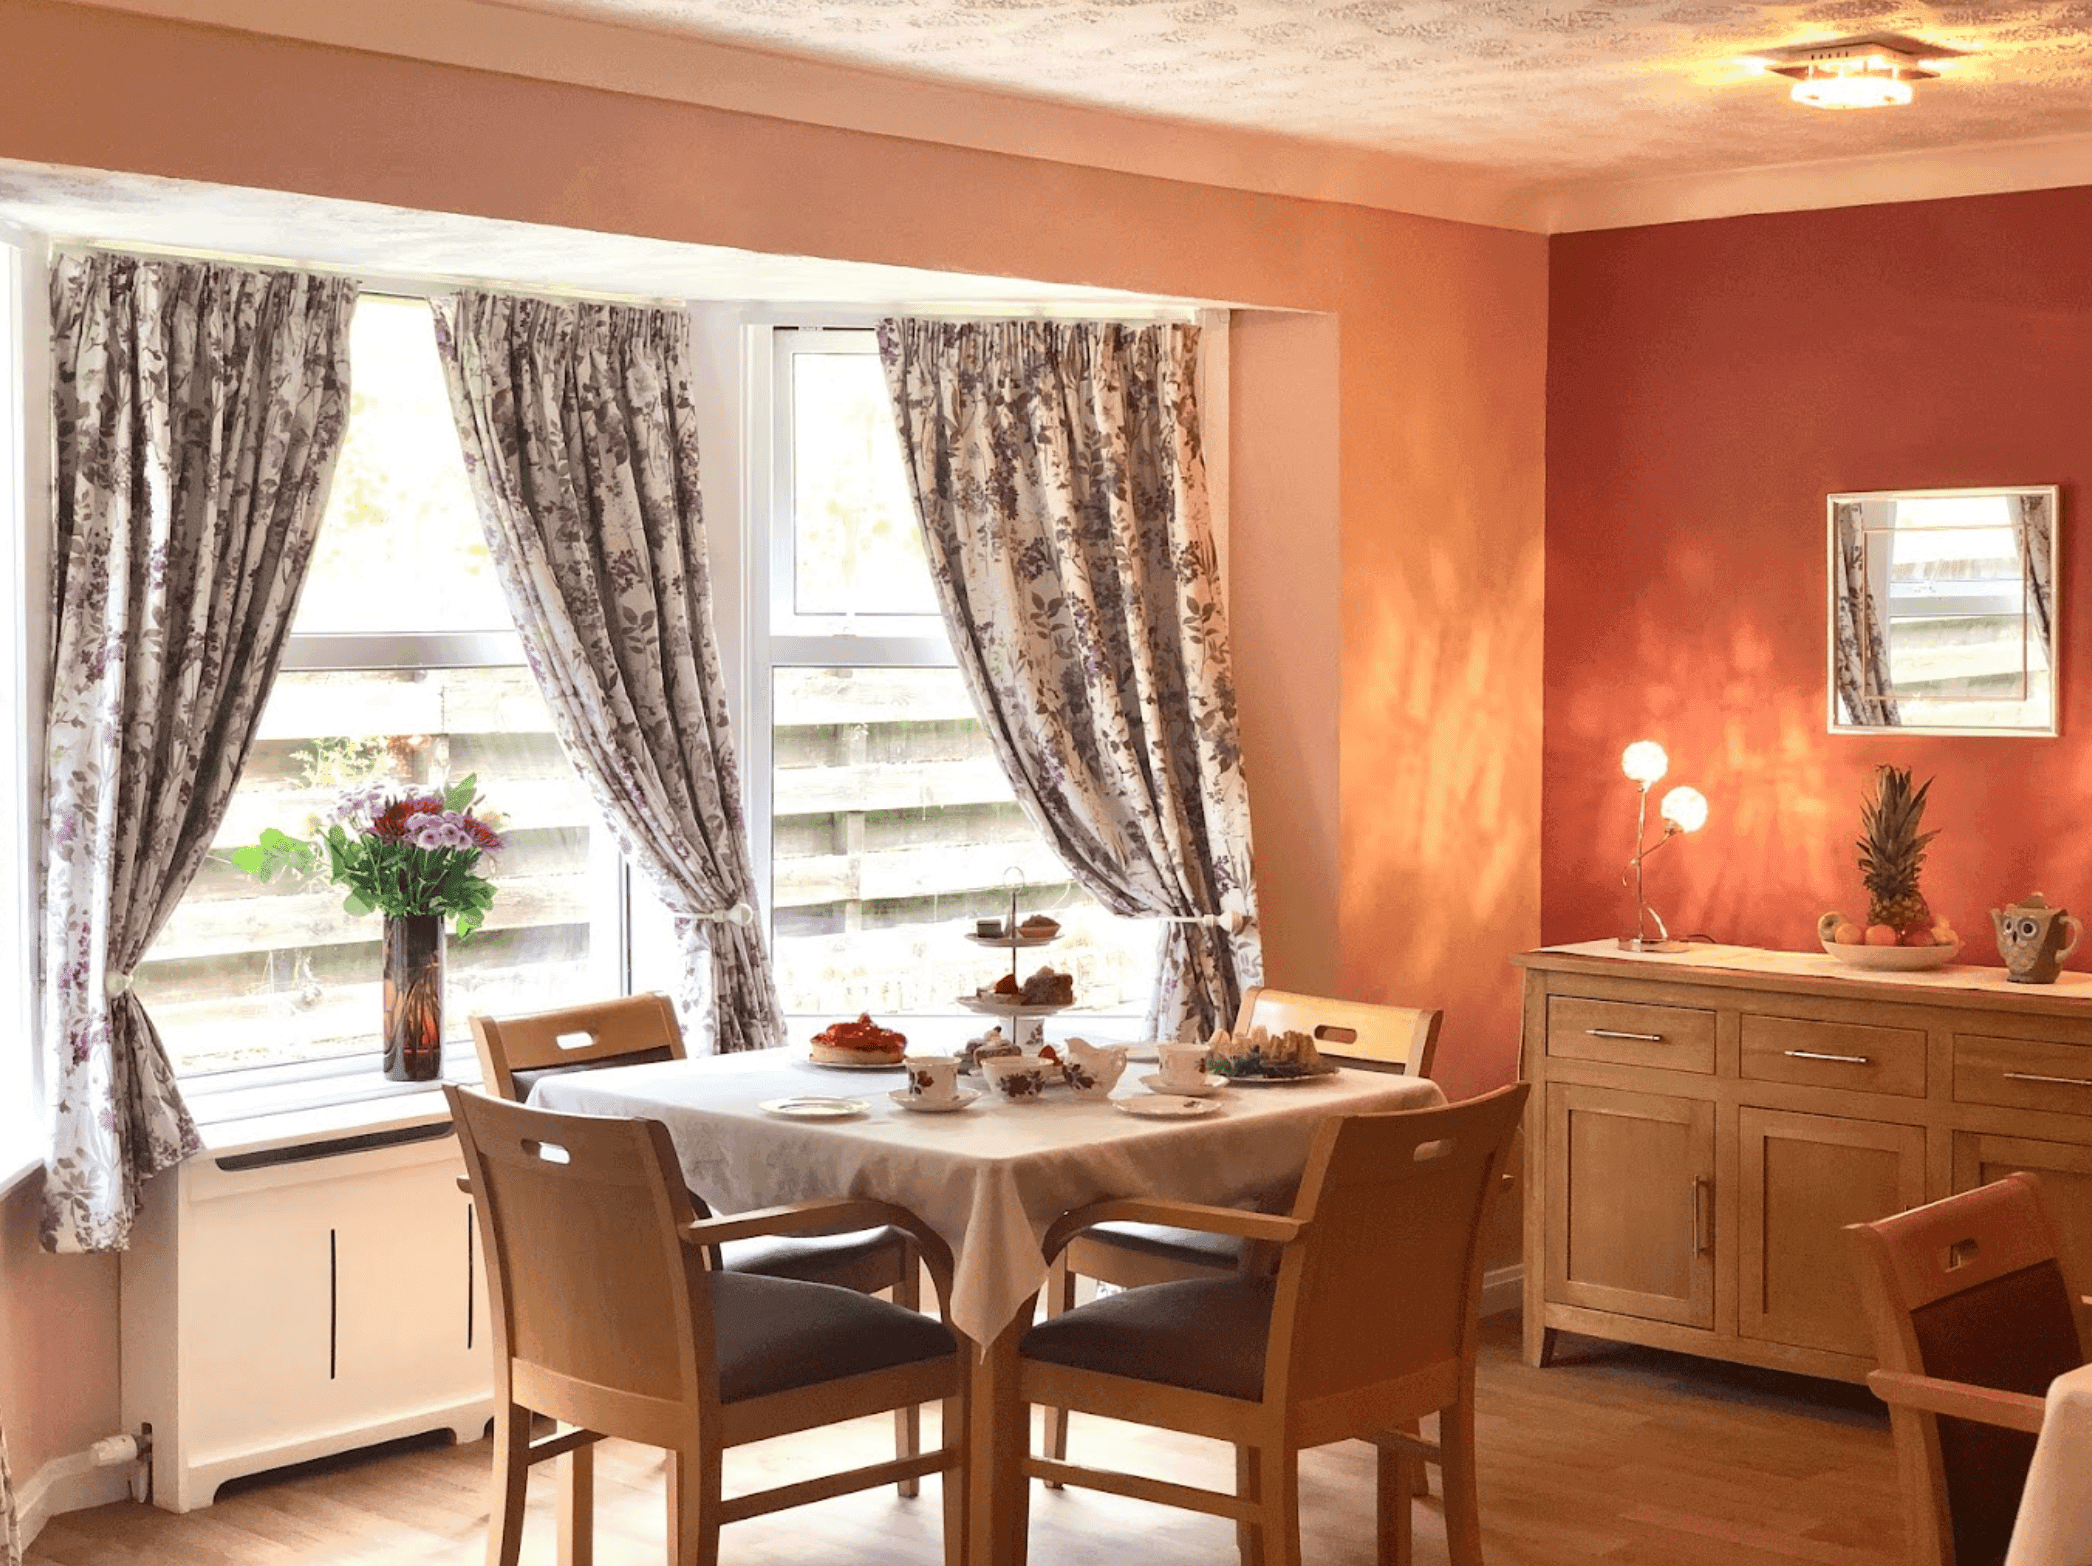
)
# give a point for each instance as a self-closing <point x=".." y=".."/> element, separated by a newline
<point x="989" y="1179"/>
<point x="2055" y="1512"/>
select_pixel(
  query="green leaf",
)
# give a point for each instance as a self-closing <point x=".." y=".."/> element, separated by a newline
<point x="459" y="794"/>
<point x="356" y="903"/>
<point x="251" y="860"/>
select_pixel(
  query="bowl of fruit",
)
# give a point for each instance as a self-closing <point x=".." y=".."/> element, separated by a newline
<point x="1900" y="933"/>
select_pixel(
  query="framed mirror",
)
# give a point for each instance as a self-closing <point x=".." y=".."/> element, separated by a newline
<point x="1943" y="611"/>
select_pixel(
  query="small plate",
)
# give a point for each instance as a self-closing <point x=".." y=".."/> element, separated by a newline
<point x="813" y="1107"/>
<point x="1000" y="1007"/>
<point x="923" y="1106"/>
<point x="1893" y="959"/>
<point x="1312" y="1076"/>
<point x="1155" y="1082"/>
<point x="854" y="1065"/>
<point x="1014" y="942"/>
<point x="1166" y="1106"/>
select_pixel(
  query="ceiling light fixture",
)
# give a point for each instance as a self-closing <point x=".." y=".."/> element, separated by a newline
<point x="1871" y="71"/>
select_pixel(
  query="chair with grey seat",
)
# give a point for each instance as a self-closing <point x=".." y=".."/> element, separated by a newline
<point x="516" y="1053"/>
<point x="1133" y="1255"/>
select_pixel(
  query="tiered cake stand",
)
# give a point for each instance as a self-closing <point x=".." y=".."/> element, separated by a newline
<point x="1026" y="1030"/>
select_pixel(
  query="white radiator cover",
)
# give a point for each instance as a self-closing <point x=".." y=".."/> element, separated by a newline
<point x="291" y="1302"/>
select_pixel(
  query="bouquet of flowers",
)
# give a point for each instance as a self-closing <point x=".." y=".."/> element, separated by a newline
<point x="399" y="854"/>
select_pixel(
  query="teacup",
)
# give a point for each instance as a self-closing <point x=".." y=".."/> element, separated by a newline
<point x="932" y="1078"/>
<point x="1019" y="1078"/>
<point x="1184" y="1065"/>
<point x="1092" y="1070"/>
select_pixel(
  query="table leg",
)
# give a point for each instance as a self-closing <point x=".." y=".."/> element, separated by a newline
<point x="996" y="1515"/>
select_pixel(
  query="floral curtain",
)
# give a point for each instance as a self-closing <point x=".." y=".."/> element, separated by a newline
<point x="582" y="444"/>
<point x="1861" y="657"/>
<point x="2037" y="549"/>
<point x="1059" y="479"/>
<point x="199" y="409"/>
<point x="10" y="1519"/>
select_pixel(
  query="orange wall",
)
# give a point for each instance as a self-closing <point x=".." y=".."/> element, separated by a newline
<point x="1385" y="574"/>
<point x="1708" y="385"/>
<point x="58" y="1346"/>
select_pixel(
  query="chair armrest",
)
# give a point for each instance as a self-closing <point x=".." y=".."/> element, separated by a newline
<point x="1958" y="1400"/>
<point x="831" y="1216"/>
<point x="1179" y="1215"/>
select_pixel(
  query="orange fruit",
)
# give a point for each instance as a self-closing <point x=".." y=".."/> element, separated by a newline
<point x="1848" y="934"/>
<point x="1881" y="935"/>
<point x="1918" y="938"/>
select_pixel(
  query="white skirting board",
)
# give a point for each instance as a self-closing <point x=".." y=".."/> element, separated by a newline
<point x="1502" y="1289"/>
<point x="69" y="1484"/>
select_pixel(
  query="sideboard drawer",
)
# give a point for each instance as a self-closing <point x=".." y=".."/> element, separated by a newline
<point x="1834" y="1054"/>
<point x="1631" y="1033"/>
<point x="2022" y="1073"/>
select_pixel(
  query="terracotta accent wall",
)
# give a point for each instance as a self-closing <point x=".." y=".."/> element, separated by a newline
<point x="1708" y="385"/>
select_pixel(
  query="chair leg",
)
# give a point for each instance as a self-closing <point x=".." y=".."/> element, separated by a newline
<point x="511" y="1484"/>
<point x="1013" y="1494"/>
<point x="693" y="1490"/>
<point x="1456" y="1446"/>
<point x="1060" y="1298"/>
<point x="1278" y="1486"/>
<point x="952" y="1425"/>
<point x="908" y="1422"/>
<point x="1249" y="1536"/>
<point x="1399" y="1474"/>
<point x="577" y="1507"/>
<point x="1419" y="1471"/>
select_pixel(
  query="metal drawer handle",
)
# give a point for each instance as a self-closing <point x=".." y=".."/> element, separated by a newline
<point x="1615" y="1033"/>
<point x="1843" y="1060"/>
<point x="2029" y="1076"/>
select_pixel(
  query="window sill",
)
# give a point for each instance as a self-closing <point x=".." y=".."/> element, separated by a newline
<point x="271" y="1106"/>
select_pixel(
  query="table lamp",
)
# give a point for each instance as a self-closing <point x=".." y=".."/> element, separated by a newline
<point x="1682" y="810"/>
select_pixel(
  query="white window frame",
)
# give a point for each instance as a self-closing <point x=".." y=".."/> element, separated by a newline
<point x="768" y="635"/>
<point x="26" y="521"/>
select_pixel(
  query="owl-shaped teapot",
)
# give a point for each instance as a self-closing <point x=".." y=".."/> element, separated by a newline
<point x="2030" y="939"/>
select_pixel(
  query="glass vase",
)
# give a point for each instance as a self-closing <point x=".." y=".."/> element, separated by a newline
<point x="414" y="997"/>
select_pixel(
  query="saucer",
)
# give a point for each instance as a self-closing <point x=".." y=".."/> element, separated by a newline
<point x="813" y="1107"/>
<point x="924" y="1106"/>
<point x="1155" y="1082"/>
<point x="1165" y="1106"/>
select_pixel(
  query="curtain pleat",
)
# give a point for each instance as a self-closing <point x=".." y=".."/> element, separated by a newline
<point x="1058" y="476"/>
<point x="581" y="440"/>
<point x="199" y="409"/>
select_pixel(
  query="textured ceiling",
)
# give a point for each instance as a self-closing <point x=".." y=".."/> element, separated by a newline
<point x="1557" y="91"/>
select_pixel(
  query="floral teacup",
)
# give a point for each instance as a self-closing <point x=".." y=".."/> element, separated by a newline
<point x="1021" y="1079"/>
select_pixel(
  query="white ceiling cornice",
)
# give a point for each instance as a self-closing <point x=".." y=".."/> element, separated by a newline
<point x="677" y="67"/>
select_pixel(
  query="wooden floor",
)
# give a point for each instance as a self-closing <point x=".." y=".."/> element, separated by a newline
<point x="1615" y="1454"/>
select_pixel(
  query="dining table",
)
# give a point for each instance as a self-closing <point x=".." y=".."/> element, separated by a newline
<point x="2054" y="1526"/>
<point x="989" y="1179"/>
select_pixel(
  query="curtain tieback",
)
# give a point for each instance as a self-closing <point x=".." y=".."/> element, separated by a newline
<point x="1234" y="921"/>
<point x="116" y="984"/>
<point x="742" y="914"/>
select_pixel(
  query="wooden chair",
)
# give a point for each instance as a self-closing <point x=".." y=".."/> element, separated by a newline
<point x="609" y="1318"/>
<point x="1975" y="1309"/>
<point x="1368" y="1326"/>
<point x="1131" y="1255"/>
<point x="515" y="1053"/>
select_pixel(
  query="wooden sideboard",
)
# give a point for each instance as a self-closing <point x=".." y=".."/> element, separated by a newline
<point x="1704" y="1125"/>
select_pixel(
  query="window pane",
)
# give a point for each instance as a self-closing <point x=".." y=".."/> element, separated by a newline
<point x="400" y="548"/>
<point x="856" y="548"/>
<point x="893" y="830"/>
<point x="247" y="973"/>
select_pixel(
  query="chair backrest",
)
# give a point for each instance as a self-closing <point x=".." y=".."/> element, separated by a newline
<point x="593" y="1293"/>
<point x="1386" y="1281"/>
<point x="1974" y="1289"/>
<point x="1387" y="1036"/>
<point x="515" y="1052"/>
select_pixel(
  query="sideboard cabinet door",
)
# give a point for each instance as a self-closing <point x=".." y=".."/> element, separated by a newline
<point x="1802" y="1179"/>
<point x="1630" y="1203"/>
<point x="2065" y="1170"/>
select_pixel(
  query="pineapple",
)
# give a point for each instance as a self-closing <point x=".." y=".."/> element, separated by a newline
<point x="1892" y="850"/>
